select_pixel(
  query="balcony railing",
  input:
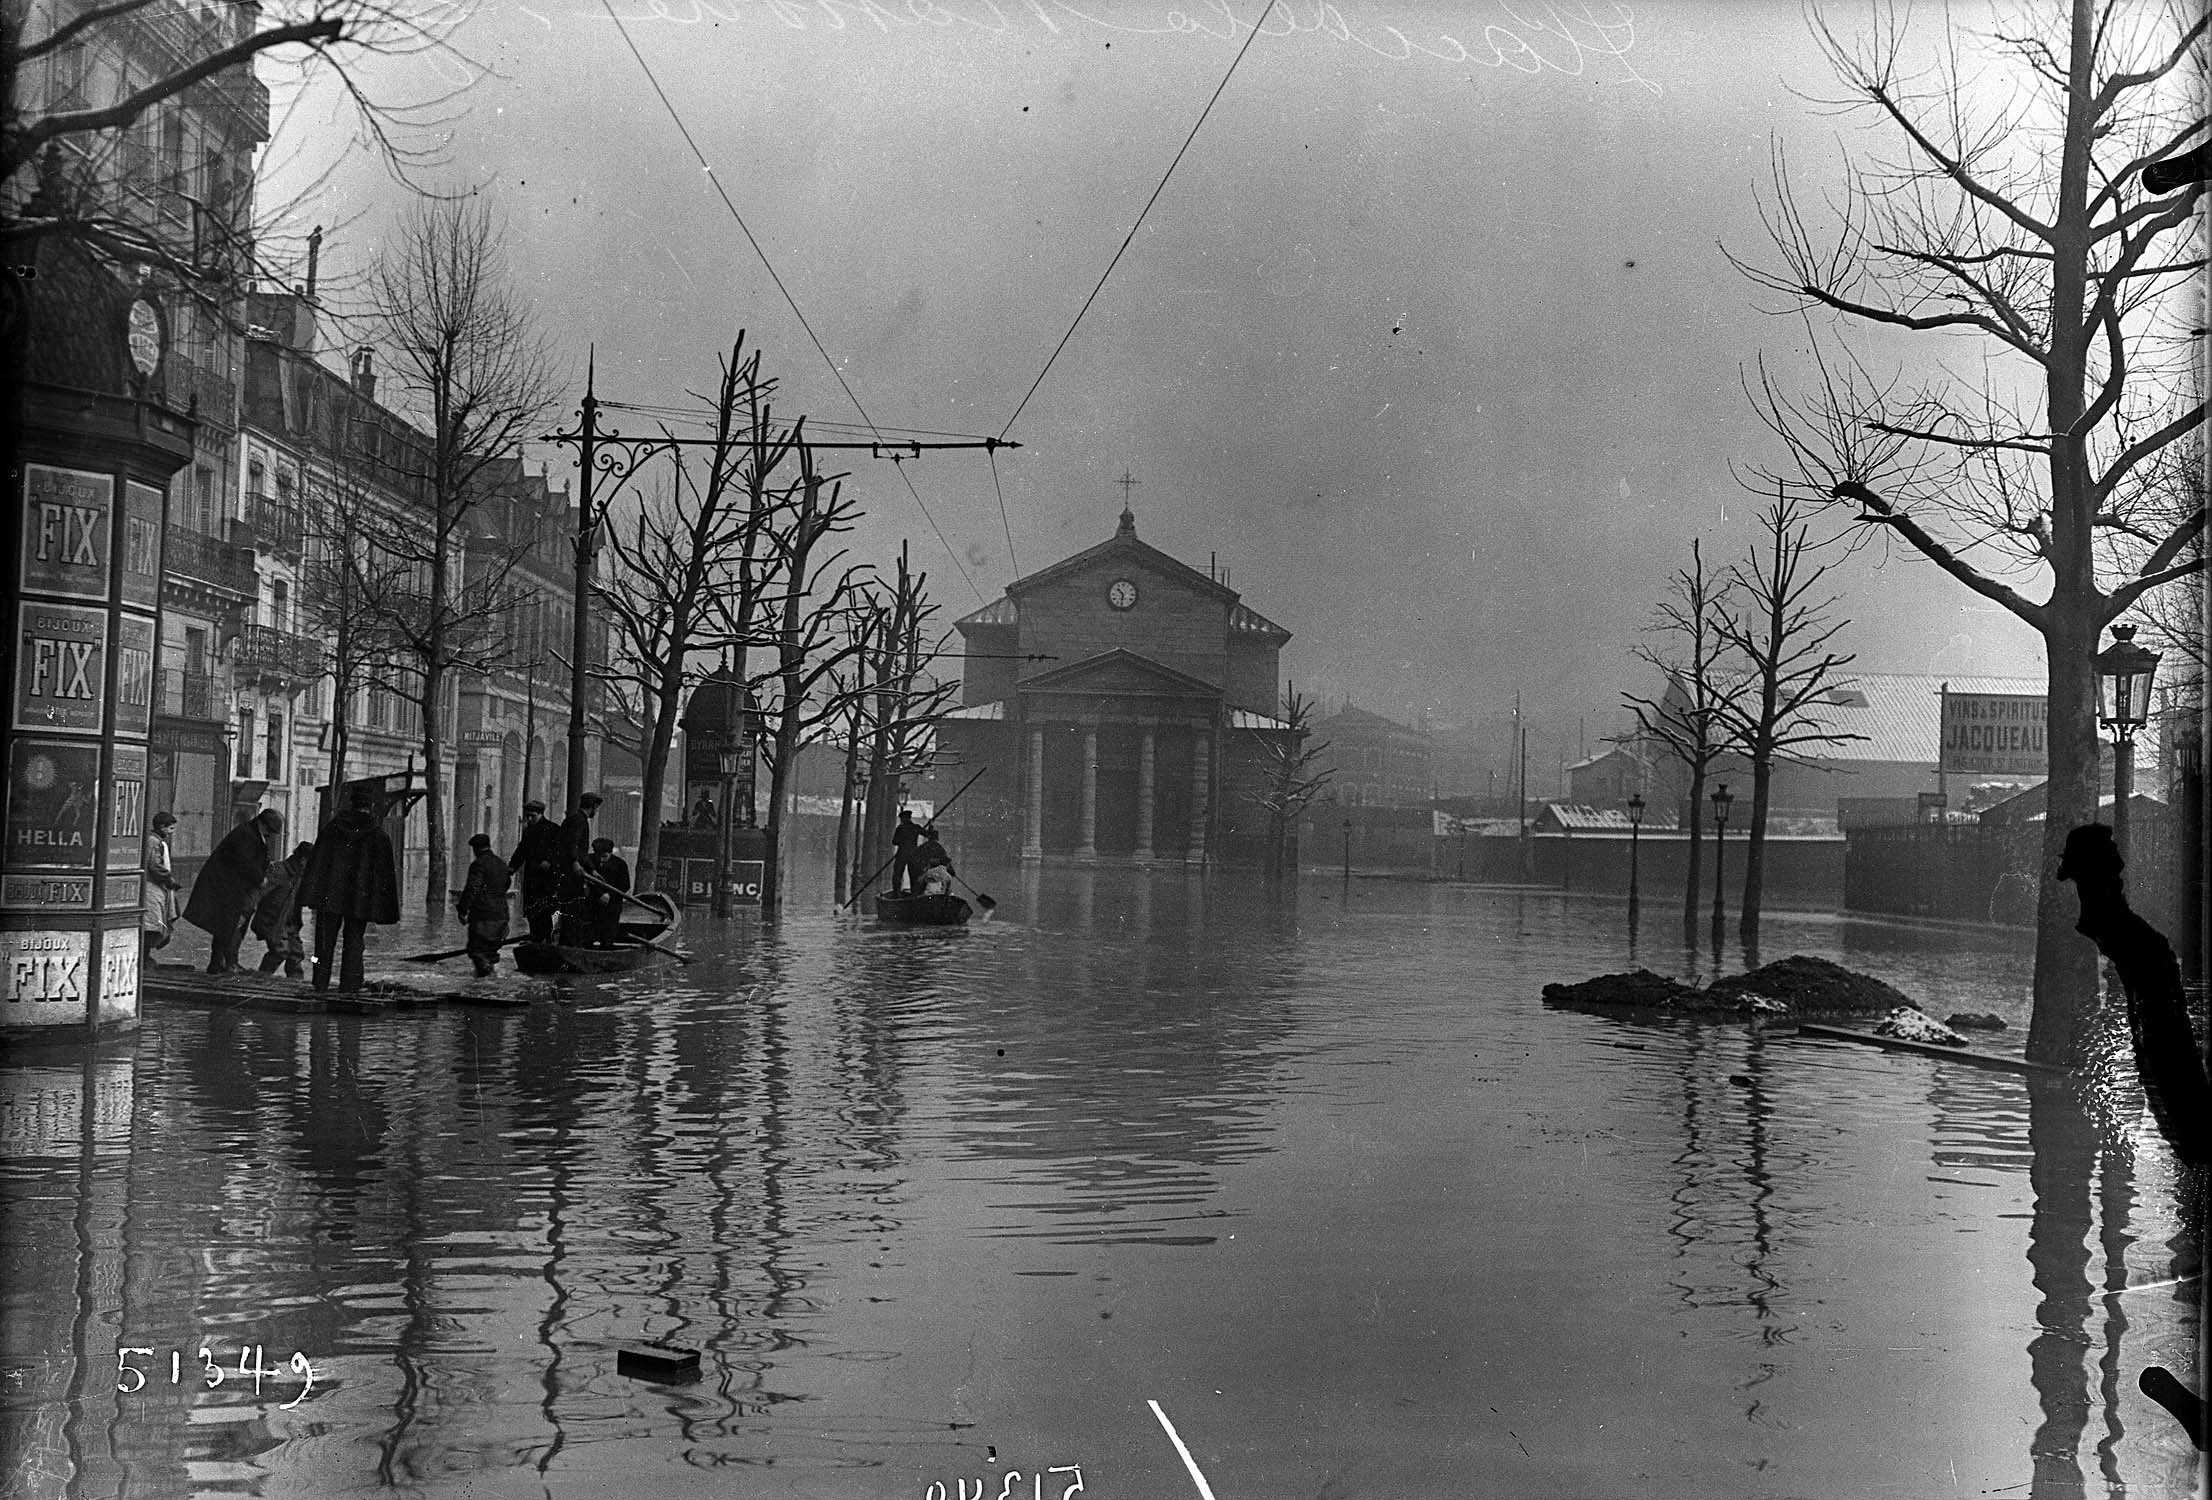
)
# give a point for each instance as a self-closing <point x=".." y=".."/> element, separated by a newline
<point x="265" y="651"/>
<point x="195" y="554"/>
<point x="186" y="694"/>
<point x="275" y="526"/>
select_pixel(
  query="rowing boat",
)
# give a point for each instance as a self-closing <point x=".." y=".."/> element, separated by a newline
<point x="922" y="911"/>
<point x="632" y="950"/>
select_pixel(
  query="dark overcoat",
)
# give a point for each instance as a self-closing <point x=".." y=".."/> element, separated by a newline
<point x="485" y="896"/>
<point x="279" y="912"/>
<point x="352" y="872"/>
<point x="230" y="880"/>
<point x="541" y="860"/>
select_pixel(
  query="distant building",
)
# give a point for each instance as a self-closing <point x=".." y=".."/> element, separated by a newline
<point x="1878" y="776"/>
<point x="1378" y="762"/>
<point x="1119" y="702"/>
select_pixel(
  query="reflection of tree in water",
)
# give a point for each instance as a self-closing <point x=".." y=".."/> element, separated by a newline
<point x="1120" y="1071"/>
<point x="1727" y="1162"/>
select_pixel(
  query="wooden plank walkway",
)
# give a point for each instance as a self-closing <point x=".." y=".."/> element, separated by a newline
<point x="176" y="985"/>
<point x="2002" y="1061"/>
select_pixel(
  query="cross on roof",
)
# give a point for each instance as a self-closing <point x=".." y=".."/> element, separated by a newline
<point x="1127" y="483"/>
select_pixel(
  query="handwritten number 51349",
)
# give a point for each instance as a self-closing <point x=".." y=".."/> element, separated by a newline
<point x="131" y="1379"/>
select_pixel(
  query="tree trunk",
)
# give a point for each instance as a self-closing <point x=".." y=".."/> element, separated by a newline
<point x="841" y="886"/>
<point x="1694" y="867"/>
<point x="665" y="713"/>
<point x="1755" y="848"/>
<point x="2066" y="962"/>
<point x="434" y="795"/>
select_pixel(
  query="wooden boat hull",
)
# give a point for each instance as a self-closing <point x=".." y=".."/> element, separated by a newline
<point x="923" y="911"/>
<point x="628" y="953"/>
<point x="559" y="958"/>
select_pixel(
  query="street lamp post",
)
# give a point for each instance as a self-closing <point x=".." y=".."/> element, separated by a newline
<point x="1635" y="827"/>
<point x="1347" y="851"/>
<point x="1721" y="801"/>
<point x="2124" y="672"/>
<point x="731" y="761"/>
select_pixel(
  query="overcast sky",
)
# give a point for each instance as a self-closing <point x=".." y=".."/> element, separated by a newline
<point x="1429" y="336"/>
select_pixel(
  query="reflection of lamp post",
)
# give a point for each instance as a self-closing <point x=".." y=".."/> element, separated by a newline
<point x="1721" y="800"/>
<point x="2124" y="672"/>
<point x="1635" y="825"/>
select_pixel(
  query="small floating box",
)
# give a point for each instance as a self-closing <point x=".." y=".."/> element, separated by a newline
<point x="657" y="1362"/>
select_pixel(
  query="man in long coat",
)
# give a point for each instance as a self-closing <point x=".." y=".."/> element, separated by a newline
<point x="541" y="861"/>
<point x="576" y="848"/>
<point x="483" y="904"/>
<point x="229" y="884"/>
<point x="350" y="881"/>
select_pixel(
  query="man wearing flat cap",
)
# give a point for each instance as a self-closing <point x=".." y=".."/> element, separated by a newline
<point x="612" y="872"/>
<point x="483" y="904"/>
<point x="229" y="885"/>
<point x="575" y="849"/>
<point x="540" y="859"/>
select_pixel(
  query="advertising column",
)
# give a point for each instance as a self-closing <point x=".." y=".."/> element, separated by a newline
<point x="86" y="583"/>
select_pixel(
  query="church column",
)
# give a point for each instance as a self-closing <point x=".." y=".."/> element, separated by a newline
<point x="1033" y="824"/>
<point x="1144" y="797"/>
<point x="1088" y="848"/>
<point x="1200" y="747"/>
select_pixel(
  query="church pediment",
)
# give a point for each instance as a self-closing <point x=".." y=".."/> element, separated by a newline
<point x="1122" y="672"/>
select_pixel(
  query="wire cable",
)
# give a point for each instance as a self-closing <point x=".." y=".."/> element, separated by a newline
<point x="746" y="229"/>
<point x="1156" y="191"/>
<point x="1012" y="561"/>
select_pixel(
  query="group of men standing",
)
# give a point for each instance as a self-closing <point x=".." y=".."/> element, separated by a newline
<point x="347" y="877"/>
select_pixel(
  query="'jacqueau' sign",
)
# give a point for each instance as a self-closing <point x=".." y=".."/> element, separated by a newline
<point x="1996" y="734"/>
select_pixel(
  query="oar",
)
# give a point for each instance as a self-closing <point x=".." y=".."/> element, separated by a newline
<point x="682" y="958"/>
<point x="431" y="958"/>
<point x="981" y="899"/>
<point x="862" y="889"/>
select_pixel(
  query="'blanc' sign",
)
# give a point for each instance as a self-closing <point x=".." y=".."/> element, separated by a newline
<point x="2002" y="734"/>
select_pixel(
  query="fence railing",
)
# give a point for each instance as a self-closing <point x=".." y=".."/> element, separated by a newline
<point x="264" y="650"/>
<point x="209" y="559"/>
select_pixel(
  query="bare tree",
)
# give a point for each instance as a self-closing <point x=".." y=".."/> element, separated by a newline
<point x="1689" y="716"/>
<point x="809" y="595"/>
<point x="88" y="89"/>
<point x="467" y="356"/>
<point x="1780" y="631"/>
<point x="679" y="554"/>
<point x="1290" y="784"/>
<point x="347" y="588"/>
<point x="2016" y="218"/>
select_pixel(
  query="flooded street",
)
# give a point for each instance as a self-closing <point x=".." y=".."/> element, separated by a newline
<point x="946" y="1211"/>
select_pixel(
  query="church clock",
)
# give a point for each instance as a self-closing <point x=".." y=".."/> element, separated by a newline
<point x="1122" y="594"/>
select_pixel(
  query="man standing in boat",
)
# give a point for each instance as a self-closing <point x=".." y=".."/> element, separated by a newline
<point x="610" y="870"/>
<point x="575" y="849"/>
<point x="483" y="904"/>
<point x="541" y="860"/>
<point x="905" y="839"/>
<point x="350" y="881"/>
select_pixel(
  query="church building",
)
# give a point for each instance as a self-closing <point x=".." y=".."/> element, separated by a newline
<point x="1122" y="707"/>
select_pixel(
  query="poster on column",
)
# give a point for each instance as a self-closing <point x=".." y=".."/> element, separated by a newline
<point x="45" y="978"/>
<point x="134" y="676"/>
<point x="126" y="846"/>
<point x="68" y="516"/>
<point x="143" y="509"/>
<point x="54" y="804"/>
<point x="61" y="672"/>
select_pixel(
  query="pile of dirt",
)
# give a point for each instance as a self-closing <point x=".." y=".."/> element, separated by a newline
<point x="1642" y="989"/>
<point x="1812" y="989"/>
<point x="1797" y="987"/>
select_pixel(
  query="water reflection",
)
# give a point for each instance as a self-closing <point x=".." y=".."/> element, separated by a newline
<point x="918" y="1194"/>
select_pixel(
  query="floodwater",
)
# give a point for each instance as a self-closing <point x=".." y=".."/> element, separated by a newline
<point x="1316" y="1182"/>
